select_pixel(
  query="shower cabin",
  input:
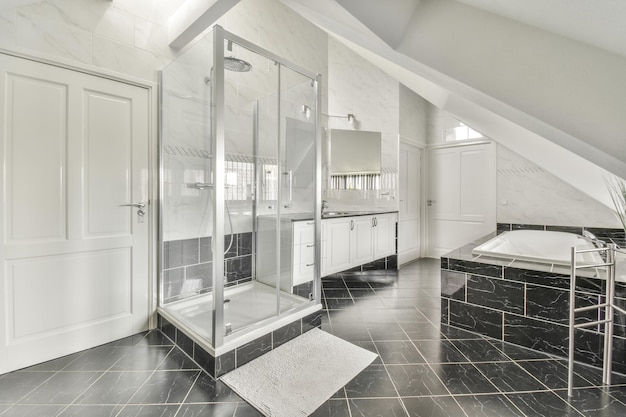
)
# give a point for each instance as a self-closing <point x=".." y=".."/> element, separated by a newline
<point x="240" y="192"/>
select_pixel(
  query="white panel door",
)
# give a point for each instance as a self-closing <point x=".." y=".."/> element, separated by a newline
<point x="75" y="263"/>
<point x="384" y="234"/>
<point x="338" y="232"/>
<point x="409" y="219"/>
<point x="461" y="195"/>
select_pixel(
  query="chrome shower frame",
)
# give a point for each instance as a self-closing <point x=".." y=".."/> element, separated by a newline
<point x="221" y="340"/>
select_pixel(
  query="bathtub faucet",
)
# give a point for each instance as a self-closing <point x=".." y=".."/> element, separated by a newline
<point x="591" y="237"/>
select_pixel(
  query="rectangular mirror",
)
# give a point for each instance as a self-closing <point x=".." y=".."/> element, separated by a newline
<point x="354" y="152"/>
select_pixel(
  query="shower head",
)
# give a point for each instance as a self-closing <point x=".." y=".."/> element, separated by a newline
<point x="237" y="65"/>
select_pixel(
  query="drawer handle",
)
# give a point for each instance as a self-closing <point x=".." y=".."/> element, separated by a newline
<point x="311" y="245"/>
<point x="310" y="264"/>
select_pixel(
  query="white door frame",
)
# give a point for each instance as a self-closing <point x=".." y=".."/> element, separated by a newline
<point x="422" y="184"/>
<point x="152" y="208"/>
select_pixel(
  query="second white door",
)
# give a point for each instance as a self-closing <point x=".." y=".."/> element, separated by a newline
<point x="76" y="260"/>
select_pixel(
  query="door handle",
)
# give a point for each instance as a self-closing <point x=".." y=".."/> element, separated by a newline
<point x="140" y="206"/>
<point x="430" y="202"/>
<point x="351" y="224"/>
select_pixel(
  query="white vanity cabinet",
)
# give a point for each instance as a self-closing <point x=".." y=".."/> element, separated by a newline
<point x="352" y="241"/>
<point x="297" y="256"/>
<point x="303" y="252"/>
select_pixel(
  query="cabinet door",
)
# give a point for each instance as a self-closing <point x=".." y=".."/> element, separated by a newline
<point x="361" y="245"/>
<point x="384" y="235"/>
<point x="337" y="245"/>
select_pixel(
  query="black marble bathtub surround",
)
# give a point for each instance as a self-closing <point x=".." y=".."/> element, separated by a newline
<point x="527" y="306"/>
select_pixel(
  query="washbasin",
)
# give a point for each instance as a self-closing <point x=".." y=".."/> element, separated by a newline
<point x="336" y="213"/>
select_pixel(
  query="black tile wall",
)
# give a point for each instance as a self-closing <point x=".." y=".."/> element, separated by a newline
<point x="527" y="227"/>
<point x="187" y="267"/>
<point x="253" y="350"/>
<point x="553" y="304"/>
<point x="453" y="285"/>
<point x="475" y="268"/>
<point x="286" y="333"/>
<point x="475" y="318"/>
<point x="496" y="293"/>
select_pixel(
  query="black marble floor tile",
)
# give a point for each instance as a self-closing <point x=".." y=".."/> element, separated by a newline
<point x="142" y="358"/>
<point x="398" y="352"/>
<point x="336" y="293"/>
<point x="113" y="388"/>
<point x="337" y="303"/>
<point x="38" y="410"/>
<point x="16" y="385"/>
<point x="177" y="359"/>
<point x="542" y="404"/>
<point x="421" y="331"/>
<point x="165" y="387"/>
<point x="463" y="379"/>
<point x="480" y="350"/>
<point x="333" y="408"/>
<point x="97" y="359"/>
<point x="61" y="388"/>
<point x="350" y="332"/>
<point x="510" y="377"/>
<point x="213" y="410"/>
<point x="246" y="410"/>
<point x="552" y="373"/>
<point x="373" y="381"/>
<point x="444" y="406"/>
<point x="207" y="390"/>
<point x="386" y="331"/>
<point x="386" y="407"/>
<point x="439" y="351"/>
<point x="149" y="410"/>
<point x="396" y="314"/>
<point x="91" y="411"/>
<point x="594" y="402"/>
<point x="416" y="380"/>
<point x="454" y="333"/>
<point x="489" y="405"/>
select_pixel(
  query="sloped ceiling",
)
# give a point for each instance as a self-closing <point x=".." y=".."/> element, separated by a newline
<point x="534" y="74"/>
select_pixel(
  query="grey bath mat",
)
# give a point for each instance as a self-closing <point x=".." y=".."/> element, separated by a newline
<point x="296" y="378"/>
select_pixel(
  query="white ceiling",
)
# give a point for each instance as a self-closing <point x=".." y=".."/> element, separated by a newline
<point x="600" y="23"/>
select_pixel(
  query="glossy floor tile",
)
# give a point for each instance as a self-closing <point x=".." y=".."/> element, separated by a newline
<point x="423" y="369"/>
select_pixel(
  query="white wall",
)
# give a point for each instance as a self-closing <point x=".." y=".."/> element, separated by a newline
<point x="528" y="194"/>
<point x="358" y="87"/>
<point x="413" y="117"/>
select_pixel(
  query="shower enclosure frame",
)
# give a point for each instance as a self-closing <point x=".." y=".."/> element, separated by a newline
<point x="221" y="341"/>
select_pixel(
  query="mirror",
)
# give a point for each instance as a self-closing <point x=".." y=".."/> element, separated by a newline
<point x="354" y="152"/>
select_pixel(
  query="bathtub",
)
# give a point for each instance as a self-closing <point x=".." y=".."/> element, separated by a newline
<point x="538" y="246"/>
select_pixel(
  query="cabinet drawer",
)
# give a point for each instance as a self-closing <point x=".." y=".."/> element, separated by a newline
<point x="303" y="232"/>
<point x="303" y="273"/>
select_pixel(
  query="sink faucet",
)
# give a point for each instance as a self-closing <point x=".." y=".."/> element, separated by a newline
<point x="324" y="205"/>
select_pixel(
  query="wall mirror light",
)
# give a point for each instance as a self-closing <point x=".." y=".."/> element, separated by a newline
<point x="355" y="159"/>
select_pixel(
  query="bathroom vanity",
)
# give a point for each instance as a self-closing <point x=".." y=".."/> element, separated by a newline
<point x="352" y="239"/>
<point x="355" y="239"/>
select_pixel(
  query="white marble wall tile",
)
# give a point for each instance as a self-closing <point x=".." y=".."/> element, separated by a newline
<point x="413" y="116"/>
<point x="157" y="11"/>
<point x="104" y="20"/>
<point x="52" y="10"/>
<point x="7" y="28"/>
<point x="52" y="37"/>
<point x="126" y="59"/>
<point x="153" y="37"/>
<point x="528" y="194"/>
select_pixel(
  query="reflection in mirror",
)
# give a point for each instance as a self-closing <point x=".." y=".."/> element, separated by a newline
<point x="355" y="159"/>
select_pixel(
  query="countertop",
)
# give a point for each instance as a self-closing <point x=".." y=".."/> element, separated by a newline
<point x="297" y="217"/>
